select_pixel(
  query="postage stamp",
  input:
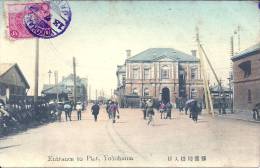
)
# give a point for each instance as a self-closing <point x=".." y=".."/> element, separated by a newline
<point x="43" y="19"/>
<point x="48" y="19"/>
<point x="15" y="21"/>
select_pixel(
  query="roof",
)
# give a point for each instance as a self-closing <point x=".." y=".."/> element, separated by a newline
<point x="69" y="81"/>
<point x="63" y="86"/>
<point x="153" y="54"/>
<point x="52" y="89"/>
<point x="121" y="68"/>
<point x="5" y="67"/>
<point x="216" y="88"/>
<point x="247" y="52"/>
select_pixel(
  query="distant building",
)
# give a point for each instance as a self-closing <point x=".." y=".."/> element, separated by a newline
<point x="13" y="84"/>
<point x="246" y="71"/>
<point x="219" y="93"/>
<point x="163" y="74"/>
<point x="65" y="89"/>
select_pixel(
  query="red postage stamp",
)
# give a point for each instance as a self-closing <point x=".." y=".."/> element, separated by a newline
<point x="16" y="13"/>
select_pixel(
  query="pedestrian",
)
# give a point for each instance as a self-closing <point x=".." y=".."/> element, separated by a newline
<point x="108" y="109"/>
<point x="143" y="106"/>
<point x="162" y="109"/>
<point x="169" y="110"/>
<point x="67" y="109"/>
<point x="114" y="110"/>
<point x="79" y="108"/>
<point x="95" y="110"/>
<point x="186" y="109"/>
<point x="59" y="110"/>
<point x="194" y="111"/>
<point x="150" y="111"/>
<point x="181" y="105"/>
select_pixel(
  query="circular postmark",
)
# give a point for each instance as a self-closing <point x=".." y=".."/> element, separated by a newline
<point x="47" y="19"/>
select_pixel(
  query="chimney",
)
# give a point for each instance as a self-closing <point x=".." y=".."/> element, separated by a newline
<point x="128" y="53"/>
<point x="194" y="53"/>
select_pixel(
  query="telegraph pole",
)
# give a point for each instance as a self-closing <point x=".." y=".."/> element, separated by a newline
<point x="96" y="94"/>
<point x="36" y="77"/>
<point x="75" y="82"/>
<point x="89" y="93"/>
<point x="49" y="76"/>
<point x="56" y="85"/>
<point x="208" y="100"/>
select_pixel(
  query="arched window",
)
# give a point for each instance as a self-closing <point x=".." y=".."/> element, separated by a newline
<point x="146" y="92"/>
<point x="165" y="72"/>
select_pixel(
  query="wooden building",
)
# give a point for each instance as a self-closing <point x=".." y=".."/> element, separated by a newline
<point x="13" y="84"/>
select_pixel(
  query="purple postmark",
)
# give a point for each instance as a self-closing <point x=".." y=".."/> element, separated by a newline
<point x="47" y="19"/>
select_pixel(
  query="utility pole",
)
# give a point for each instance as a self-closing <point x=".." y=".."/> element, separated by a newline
<point x="231" y="51"/>
<point x="208" y="99"/>
<point x="36" y="77"/>
<point x="238" y="38"/>
<point x="49" y="76"/>
<point x="89" y="93"/>
<point x="96" y="94"/>
<point x="56" y="85"/>
<point x="237" y="31"/>
<point x="75" y="82"/>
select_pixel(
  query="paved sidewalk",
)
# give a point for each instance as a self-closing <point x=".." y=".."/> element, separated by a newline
<point x="237" y="116"/>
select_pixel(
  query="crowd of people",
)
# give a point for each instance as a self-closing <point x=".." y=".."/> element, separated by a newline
<point x="18" y="116"/>
<point x="14" y="115"/>
<point x="165" y="109"/>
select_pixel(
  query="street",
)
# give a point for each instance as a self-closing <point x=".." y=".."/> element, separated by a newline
<point x="131" y="142"/>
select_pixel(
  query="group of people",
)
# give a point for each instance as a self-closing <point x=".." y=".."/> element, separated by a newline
<point x="112" y="110"/>
<point x="165" y="109"/>
<point x="68" y="107"/>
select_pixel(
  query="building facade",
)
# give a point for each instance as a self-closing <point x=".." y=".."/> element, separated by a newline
<point x="64" y="89"/>
<point x="13" y="84"/>
<point x="164" y="74"/>
<point x="246" y="71"/>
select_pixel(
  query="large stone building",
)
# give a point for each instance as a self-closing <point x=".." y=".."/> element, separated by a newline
<point x="163" y="74"/>
<point x="246" y="71"/>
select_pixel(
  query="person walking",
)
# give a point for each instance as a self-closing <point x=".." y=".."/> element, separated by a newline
<point x="143" y="106"/>
<point x="162" y="109"/>
<point x="194" y="111"/>
<point x="95" y="110"/>
<point x="169" y="110"/>
<point x="79" y="108"/>
<point x="59" y="110"/>
<point x="114" y="110"/>
<point x="67" y="109"/>
<point x="150" y="111"/>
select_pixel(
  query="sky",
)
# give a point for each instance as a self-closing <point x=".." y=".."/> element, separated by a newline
<point x="101" y="31"/>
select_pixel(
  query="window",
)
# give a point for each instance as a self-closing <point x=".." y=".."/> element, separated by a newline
<point x="193" y="93"/>
<point x="249" y="97"/>
<point x="165" y="72"/>
<point x="135" y="91"/>
<point x="123" y="80"/>
<point x="135" y="73"/>
<point x="193" y="73"/>
<point x="146" y="73"/>
<point x="246" y="67"/>
<point x="146" y="92"/>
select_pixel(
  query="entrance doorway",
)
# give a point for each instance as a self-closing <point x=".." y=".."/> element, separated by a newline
<point x="165" y="95"/>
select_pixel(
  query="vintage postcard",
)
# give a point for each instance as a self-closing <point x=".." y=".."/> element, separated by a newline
<point x="129" y="83"/>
